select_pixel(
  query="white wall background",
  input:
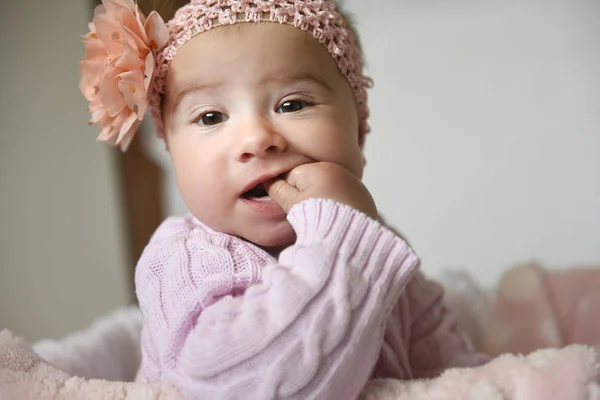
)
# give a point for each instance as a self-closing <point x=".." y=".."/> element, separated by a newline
<point x="485" y="148"/>
<point x="62" y="259"/>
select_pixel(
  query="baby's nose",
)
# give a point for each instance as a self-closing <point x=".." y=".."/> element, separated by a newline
<point x="260" y="141"/>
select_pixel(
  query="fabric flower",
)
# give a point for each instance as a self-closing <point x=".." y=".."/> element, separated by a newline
<point x="118" y="66"/>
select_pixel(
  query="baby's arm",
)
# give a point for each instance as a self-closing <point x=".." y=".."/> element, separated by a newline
<point x="437" y="342"/>
<point x="312" y="329"/>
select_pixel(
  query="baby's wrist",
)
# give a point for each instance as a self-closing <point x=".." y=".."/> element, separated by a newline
<point x="348" y="232"/>
<point x="328" y="221"/>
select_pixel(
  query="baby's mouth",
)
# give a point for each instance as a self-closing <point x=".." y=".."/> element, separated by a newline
<point x="258" y="192"/>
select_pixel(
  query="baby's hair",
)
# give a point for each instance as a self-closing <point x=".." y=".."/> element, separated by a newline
<point x="167" y="9"/>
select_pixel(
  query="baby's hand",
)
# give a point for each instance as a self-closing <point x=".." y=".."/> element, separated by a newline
<point x="321" y="180"/>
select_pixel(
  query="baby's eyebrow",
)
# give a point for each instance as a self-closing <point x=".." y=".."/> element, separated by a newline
<point x="195" y="87"/>
<point x="300" y="77"/>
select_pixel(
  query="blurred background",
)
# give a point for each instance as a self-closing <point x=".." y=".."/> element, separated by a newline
<point x="484" y="151"/>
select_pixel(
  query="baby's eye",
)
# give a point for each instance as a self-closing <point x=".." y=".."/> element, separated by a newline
<point x="291" y="106"/>
<point x="212" y="118"/>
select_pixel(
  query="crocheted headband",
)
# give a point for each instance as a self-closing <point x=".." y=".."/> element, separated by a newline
<point x="127" y="55"/>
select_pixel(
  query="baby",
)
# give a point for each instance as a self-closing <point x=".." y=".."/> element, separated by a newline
<point x="283" y="282"/>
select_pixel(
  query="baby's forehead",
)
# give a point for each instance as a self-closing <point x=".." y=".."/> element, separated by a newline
<point x="251" y="51"/>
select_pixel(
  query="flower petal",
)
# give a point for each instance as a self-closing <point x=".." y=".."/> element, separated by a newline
<point x="109" y="31"/>
<point x="148" y="72"/>
<point x="128" y="131"/>
<point x="99" y="10"/>
<point x="131" y="86"/>
<point x="112" y="128"/>
<point x="136" y="42"/>
<point x="157" y="31"/>
<point x="117" y="68"/>
<point x="89" y="83"/>
<point x="127" y="139"/>
<point x="129" y="60"/>
<point x="94" y="48"/>
<point x="109" y="133"/>
<point x="107" y="136"/>
<point x="98" y="115"/>
<point x="130" y="20"/>
<point x="101" y="118"/>
<point x="128" y="14"/>
<point x="110" y="93"/>
<point x="90" y="71"/>
<point x="96" y="104"/>
<point x="139" y="15"/>
<point x="139" y="27"/>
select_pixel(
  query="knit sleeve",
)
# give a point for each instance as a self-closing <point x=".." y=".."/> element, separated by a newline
<point x="313" y="327"/>
<point x="436" y="343"/>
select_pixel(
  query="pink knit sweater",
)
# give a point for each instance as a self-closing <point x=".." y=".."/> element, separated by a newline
<point x="225" y="320"/>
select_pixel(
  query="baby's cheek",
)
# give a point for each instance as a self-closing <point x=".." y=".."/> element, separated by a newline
<point x="198" y="194"/>
<point x="207" y="208"/>
<point x="343" y="149"/>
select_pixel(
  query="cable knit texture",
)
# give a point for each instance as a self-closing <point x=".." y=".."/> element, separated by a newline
<point x="224" y="319"/>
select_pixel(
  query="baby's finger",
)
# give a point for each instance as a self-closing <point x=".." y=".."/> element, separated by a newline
<point x="282" y="193"/>
<point x="298" y="176"/>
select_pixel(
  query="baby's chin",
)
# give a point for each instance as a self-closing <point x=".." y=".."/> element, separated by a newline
<point x="272" y="236"/>
<point x="272" y="241"/>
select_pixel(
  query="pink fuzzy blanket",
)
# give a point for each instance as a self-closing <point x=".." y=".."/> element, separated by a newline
<point x="24" y="375"/>
<point x="537" y="308"/>
<point x="571" y="373"/>
<point x="532" y="309"/>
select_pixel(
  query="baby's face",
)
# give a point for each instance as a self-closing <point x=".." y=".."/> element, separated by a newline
<point x="247" y="103"/>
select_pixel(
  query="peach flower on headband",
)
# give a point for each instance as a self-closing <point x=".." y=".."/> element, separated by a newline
<point x="118" y="66"/>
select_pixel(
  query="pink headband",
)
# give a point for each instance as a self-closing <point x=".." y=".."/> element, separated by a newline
<point x="127" y="55"/>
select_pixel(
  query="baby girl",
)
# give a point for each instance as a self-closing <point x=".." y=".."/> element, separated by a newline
<point x="283" y="282"/>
